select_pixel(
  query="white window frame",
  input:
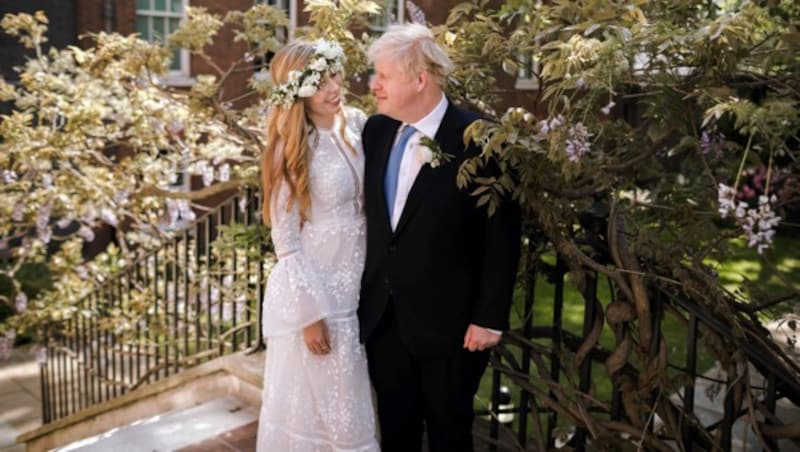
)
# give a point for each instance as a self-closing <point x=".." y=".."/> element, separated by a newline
<point x="290" y="6"/>
<point x="182" y="76"/>
<point x="528" y="72"/>
<point x="377" y="28"/>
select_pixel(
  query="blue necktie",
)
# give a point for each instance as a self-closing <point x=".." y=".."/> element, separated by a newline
<point x="393" y="168"/>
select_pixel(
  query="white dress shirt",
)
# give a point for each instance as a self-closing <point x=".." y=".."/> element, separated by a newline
<point x="411" y="163"/>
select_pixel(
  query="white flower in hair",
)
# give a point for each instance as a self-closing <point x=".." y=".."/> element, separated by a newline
<point x="306" y="91"/>
<point x="328" y="58"/>
<point x="318" y="65"/>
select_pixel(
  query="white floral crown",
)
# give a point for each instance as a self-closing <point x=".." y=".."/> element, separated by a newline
<point x="328" y="58"/>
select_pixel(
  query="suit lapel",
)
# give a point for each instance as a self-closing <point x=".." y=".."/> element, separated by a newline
<point x="449" y="142"/>
<point x="381" y="161"/>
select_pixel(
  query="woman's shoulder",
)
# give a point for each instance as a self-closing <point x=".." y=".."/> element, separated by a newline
<point x="355" y="117"/>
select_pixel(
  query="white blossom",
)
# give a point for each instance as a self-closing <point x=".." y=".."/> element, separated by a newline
<point x="17" y="212"/>
<point x="185" y="209"/>
<point x="47" y="180"/>
<point x="205" y="170"/>
<point x="607" y="109"/>
<point x="86" y="233"/>
<point x="64" y="222"/>
<point x="122" y="197"/>
<point x="224" y="172"/>
<point x="9" y="176"/>
<point x="81" y="271"/>
<point x="109" y="216"/>
<point x="90" y="214"/>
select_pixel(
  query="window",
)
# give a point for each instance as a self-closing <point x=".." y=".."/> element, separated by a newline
<point x="155" y="20"/>
<point x="280" y="4"/>
<point x="528" y="72"/>
<point x="392" y="12"/>
<point x="289" y="6"/>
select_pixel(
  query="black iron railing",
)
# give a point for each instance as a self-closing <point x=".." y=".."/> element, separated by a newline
<point x="524" y="404"/>
<point x="167" y="311"/>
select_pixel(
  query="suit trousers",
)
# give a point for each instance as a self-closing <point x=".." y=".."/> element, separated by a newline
<point x="436" y="391"/>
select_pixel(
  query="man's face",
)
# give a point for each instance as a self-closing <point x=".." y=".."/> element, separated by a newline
<point x="394" y="90"/>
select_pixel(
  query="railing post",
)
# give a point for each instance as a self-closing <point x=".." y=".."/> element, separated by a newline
<point x="688" y="390"/>
<point x="527" y="331"/>
<point x="585" y="371"/>
<point x="555" y="364"/>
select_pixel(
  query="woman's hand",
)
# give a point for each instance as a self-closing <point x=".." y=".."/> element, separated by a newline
<point x="316" y="337"/>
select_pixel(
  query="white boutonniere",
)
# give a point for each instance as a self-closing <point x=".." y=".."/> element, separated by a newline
<point x="428" y="151"/>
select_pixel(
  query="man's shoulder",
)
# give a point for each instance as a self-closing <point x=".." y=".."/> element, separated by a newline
<point x="463" y="117"/>
<point x="379" y="121"/>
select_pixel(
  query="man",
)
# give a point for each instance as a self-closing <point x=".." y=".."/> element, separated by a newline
<point x="439" y="274"/>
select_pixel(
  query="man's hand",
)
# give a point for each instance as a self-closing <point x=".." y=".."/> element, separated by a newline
<point x="316" y="338"/>
<point x="479" y="338"/>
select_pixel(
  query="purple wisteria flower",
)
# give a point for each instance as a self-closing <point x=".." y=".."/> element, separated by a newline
<point x="760" y="224"/>
<point x="415" y="13"/>
<point x="726" y="197"/>
<point x="712" y="141"/>
<point x="7" y="344"/>
<point x="577" y="144"/>
<point x="21" y="302"/>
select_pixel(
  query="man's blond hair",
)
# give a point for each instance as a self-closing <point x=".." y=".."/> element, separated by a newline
<point x="415" y="49"/>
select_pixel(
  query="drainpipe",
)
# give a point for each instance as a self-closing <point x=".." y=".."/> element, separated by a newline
<point x="108" y="15"/>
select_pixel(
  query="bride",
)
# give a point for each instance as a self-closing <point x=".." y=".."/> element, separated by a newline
<point x="316" y="389"/>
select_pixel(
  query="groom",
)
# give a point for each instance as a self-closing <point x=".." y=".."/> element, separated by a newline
<point x="439" y="274"/>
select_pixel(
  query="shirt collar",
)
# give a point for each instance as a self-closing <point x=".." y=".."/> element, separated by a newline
<point x="430" y="123"/>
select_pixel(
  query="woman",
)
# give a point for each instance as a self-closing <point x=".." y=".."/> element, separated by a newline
<point x="316" y="389"/>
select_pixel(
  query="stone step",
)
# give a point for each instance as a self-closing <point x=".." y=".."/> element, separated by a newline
<point x="173" y="430"/>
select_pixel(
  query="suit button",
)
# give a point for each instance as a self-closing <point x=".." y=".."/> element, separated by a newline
<point x="386" y="279"/>
<point x="392" y="248"/>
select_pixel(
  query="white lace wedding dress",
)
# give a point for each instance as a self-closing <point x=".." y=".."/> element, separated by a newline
<point x="319" y="402"/>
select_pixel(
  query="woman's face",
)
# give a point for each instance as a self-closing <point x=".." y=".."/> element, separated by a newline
<point x="327" y="101"/>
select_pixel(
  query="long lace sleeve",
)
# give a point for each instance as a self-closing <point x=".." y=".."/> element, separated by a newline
<point x="294" y="298"/>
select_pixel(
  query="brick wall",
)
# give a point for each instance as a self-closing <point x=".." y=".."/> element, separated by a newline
<point x="224" y="51"/>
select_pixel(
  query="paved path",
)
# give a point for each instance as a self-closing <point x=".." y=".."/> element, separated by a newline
<point x="20" y="398"/>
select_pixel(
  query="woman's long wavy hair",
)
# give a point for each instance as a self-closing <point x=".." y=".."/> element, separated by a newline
<point x="285" y="157"/>
<point x="287" y="133"/>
